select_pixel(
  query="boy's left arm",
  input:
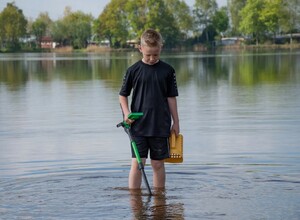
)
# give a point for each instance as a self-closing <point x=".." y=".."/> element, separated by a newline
<point x="174" y="112"/>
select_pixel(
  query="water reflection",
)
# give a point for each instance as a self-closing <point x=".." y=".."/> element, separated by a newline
<point x="13" y="74"/>
<point x="240" y="116"/>
<point x="154" y="207"/>
<point x="204" y="69"/>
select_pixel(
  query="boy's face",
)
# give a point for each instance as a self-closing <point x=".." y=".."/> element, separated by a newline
<point x="150" y="54"/>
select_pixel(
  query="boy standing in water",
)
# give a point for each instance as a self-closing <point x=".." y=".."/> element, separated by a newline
<point x="154" y="93"/>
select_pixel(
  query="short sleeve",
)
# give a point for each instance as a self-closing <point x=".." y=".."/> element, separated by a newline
<point x="172" y="85"/>
<point x="127" y="84"/>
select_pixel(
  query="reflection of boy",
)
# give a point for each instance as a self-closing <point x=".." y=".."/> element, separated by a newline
<point x="157" y="210"/>
<point x="154" y="93"/>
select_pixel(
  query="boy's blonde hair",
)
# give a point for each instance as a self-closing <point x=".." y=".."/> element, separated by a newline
<point x="151" y="38"/>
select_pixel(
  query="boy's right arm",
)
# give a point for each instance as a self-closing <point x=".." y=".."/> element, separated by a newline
<point x="174" y="112"/>
<point x="125" y="108"/>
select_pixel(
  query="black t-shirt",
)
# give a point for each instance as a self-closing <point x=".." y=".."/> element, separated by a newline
<point x="152" y="85"/>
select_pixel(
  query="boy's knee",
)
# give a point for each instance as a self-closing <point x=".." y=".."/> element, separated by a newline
<point x="157" y="164"/>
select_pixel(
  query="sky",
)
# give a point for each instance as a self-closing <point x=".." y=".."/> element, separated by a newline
<point x="55" y="8"/>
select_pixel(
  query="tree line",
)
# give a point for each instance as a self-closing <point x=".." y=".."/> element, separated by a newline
<point x="179" y="24"/>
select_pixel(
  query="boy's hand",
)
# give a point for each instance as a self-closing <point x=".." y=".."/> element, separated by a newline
<point x="175" y="129"/>
<point x="127" y="120"/>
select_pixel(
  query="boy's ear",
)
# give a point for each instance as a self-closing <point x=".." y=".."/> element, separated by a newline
<point x="140" y="48"/>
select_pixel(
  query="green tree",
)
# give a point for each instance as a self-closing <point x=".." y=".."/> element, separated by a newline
<point x="39" y="30"/>
<point x="136" y="14"/>
<point x="204" y="11"/>
<point x="112" y="23"/>
<point x="235" y="6"/>
<point x="220" y="20"/>
<point x="122" y="20"/>
<point x="182" y="15"/>
<point x="59" y="32"/>
<point x="290" y="16"/>
<point x="80" y="28"/>
<point x="2" y="33"/>
<point x="41" y="26"/>
<point x="143" y="14"/>
<point x="251" y="22"/>
<point x="75" y="29"/>
<point x="13" y="26"/>
<point x="161" y="19"/>
<point x="270" y="15"/>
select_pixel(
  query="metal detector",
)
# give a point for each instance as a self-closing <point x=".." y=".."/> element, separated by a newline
<point x="127" y="129"/>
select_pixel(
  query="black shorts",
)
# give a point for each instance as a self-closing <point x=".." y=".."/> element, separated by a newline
<point x="158" y="146"/>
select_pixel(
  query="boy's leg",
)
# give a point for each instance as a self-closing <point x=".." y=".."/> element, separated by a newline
<point x="159" y="175"/>
<point x="135" y="175"/>
<point x="159" y="150"/>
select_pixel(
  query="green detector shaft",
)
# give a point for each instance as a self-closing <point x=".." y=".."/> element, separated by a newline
<point x="127" y="127"/>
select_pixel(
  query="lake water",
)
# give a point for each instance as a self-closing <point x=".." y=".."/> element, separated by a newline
<point x="62" y="157"/>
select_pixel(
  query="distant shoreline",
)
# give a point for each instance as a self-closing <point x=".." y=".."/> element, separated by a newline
<point x="95" y="49"/>
<point x="198" y="48"/>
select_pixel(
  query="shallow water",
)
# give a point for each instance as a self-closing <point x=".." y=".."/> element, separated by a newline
<point x="63" y="158"/>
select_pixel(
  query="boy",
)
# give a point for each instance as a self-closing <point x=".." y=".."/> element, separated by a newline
<point x="154" y="93"/>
